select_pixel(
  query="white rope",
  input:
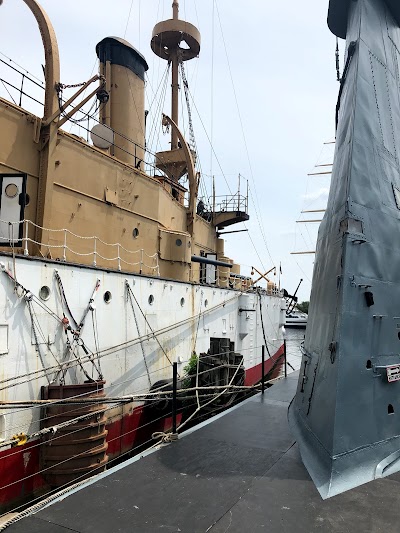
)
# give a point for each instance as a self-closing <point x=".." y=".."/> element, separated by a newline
<point x="225" y="388"/>
<point x="220" y="273"/>
<point x="164" y="438"/>
<point x="64" y="246"/>
<point x="112" y="349"/>
<point x="123" y="399"/>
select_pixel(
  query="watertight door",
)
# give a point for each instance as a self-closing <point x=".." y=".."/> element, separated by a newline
<point x="12" y="207"/>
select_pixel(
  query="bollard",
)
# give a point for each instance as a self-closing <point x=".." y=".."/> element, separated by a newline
<point x="174" y="393"/>
<point x="262" y="369"/>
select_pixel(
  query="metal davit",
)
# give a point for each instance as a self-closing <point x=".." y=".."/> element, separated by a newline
<point x="346" y="412"/>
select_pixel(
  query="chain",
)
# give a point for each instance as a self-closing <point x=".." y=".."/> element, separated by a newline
<point x="71" y="86"/>
<point x="62" y="86"/>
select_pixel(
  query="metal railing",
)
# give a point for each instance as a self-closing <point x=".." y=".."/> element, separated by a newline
<point x="93" y="245"/>
<point x="20" y="85"/>
<point x="20" y="78"/>
<point x="235" y="202"/>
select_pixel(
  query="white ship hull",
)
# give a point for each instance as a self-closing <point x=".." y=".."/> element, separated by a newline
<point x="172" y="319"/>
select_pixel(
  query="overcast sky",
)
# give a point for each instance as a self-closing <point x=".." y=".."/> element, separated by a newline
<point x="280" y="56"/>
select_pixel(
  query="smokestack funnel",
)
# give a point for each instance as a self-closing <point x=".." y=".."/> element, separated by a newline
<point x="124" y="69"/>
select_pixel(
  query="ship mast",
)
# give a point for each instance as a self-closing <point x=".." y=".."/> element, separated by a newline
<point x="166" y="43"/>
<point x="175" y="81"/>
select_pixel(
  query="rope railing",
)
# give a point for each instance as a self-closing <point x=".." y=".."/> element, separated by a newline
<point x="13" y="238"/>
<point x="14" y="241"/>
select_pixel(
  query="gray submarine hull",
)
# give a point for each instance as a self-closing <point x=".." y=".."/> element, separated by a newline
<point x="346" y="411"/>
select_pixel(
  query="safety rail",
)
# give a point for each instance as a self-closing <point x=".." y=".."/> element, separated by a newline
<point x="12" y="239"/>
<point x="235" y="202"/>
<point x="20" y="86"/>
<point x="17" y="88"/>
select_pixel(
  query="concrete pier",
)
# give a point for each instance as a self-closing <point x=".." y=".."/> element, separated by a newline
<point x="240" y="472"/>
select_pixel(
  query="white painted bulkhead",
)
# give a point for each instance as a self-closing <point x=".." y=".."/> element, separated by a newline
<point x="183" y="316"/>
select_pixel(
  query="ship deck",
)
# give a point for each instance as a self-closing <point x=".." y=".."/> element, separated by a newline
<point x="240" y="471"/>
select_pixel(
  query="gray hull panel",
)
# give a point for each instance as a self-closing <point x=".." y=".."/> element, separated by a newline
<point x="346" y="413"/>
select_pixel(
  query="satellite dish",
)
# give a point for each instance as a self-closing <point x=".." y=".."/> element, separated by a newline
<point x="102" y="136"/>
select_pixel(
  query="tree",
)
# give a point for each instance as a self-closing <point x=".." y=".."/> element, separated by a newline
<point x="303" y="307"/>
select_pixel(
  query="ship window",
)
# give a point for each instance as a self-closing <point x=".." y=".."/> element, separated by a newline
<point x="11" y="190"/>
<point x="151" y="299"/>
<point x="182" y="302"/>
<point x="390" y="409"/>
<point x="27" y="200"/>
<point x="135" y="233"/>
<point x="369" y="364"/>
<point x="178" y="242"/>
<point x="44" y="293"/>
<point x="205" y="303"/>
<point x="107" y="297"/>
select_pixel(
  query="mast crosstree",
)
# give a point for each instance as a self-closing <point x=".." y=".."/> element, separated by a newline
<point x="175" y="40"/>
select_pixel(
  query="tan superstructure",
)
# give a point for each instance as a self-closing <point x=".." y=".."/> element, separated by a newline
<point x="96" y="205"/>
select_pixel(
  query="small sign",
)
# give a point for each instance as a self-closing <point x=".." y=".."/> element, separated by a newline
<point x="393" y="373"/>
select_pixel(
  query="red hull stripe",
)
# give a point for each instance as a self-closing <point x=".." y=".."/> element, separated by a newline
<point x="274" y="363"/>
<point x="125" y="433"/>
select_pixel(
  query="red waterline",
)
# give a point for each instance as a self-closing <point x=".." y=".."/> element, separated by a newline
<point x="124" y="433"/>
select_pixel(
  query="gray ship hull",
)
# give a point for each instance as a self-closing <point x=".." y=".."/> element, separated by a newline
<point x="346" y="412"/>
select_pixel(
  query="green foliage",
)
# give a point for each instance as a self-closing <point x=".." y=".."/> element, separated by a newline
<point x="303" y="307"/>
<point x="190" y="371"/>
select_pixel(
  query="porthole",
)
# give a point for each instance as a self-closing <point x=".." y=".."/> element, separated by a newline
<point x="369" y="364"/>
<point x="151" y="299"/>
<point x="44" y="293"/>
<point x="205" y="303"/>
<point x="107" y="297"/>
<point x="178" y="242"/>
<point x="182" y="302"/>
<point x="11" y="190"/>
<point x="135" y="233"/>
<point x="390" y="409"/>
<point x="27" y="200"/>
